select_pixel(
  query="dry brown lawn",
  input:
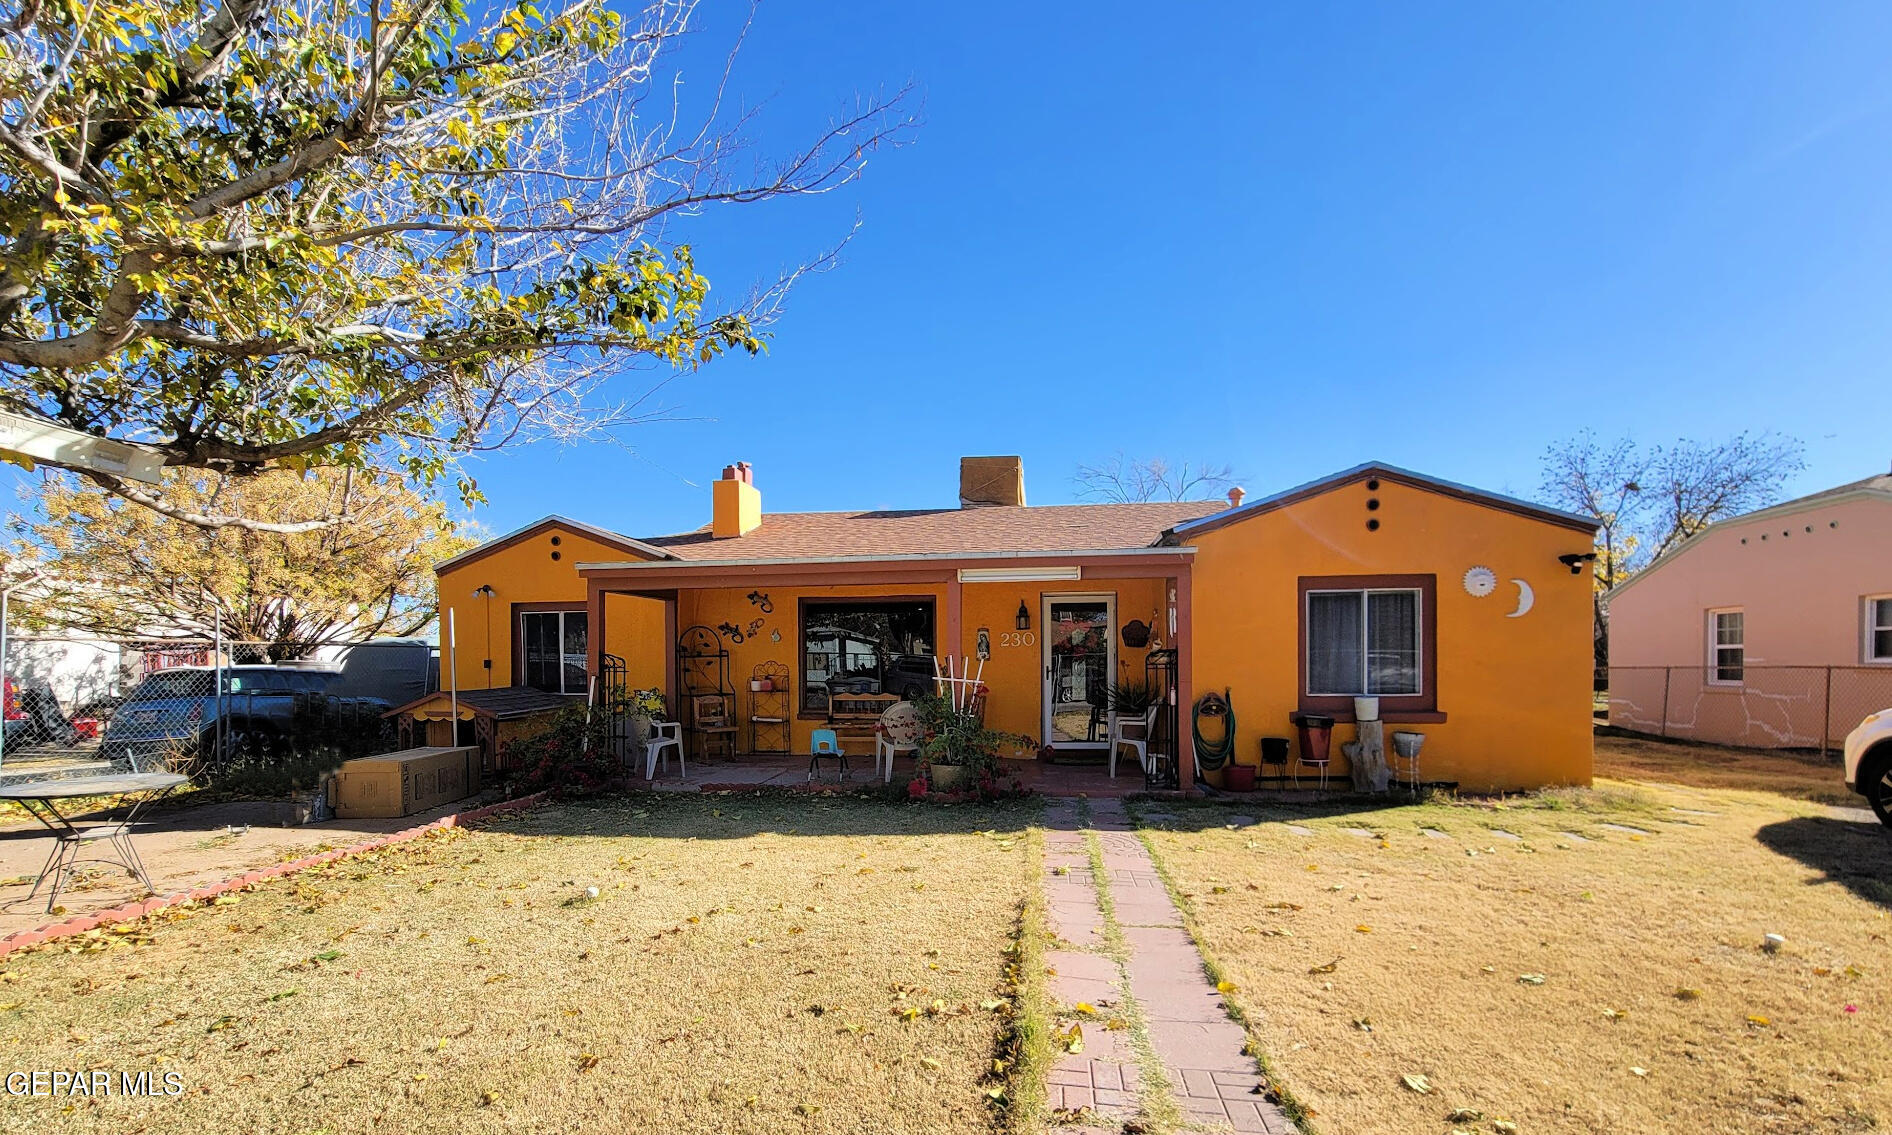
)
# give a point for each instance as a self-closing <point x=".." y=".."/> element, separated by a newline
<point x="1614" y="984"/>
<point x="1800" y="776"/>
<point x="750" y="965"/>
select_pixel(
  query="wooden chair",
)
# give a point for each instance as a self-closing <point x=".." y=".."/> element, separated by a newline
<point x="823" y="743"/>
<point x="899" y="733"/>
<point x="664" y="736"/>
<point x="854" y="717"/>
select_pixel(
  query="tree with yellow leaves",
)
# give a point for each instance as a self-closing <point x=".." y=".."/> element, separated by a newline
<point x="118" y="569"/>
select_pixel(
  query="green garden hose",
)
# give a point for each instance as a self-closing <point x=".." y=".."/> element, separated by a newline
<point x="1212" y="755"/>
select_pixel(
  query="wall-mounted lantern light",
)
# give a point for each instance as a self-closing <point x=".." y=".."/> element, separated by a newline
<point x="1024" y="617"/>
<point x="1575" y="561"/>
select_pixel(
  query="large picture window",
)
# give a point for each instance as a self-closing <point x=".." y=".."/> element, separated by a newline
<point x="1363" y="642"/>
<point x="869" y="646"/>
<point x="553" y="651"/>
<point x="1370" y="636"/>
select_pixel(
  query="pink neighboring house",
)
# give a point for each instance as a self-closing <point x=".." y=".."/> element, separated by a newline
<point x="1771" y="629"/>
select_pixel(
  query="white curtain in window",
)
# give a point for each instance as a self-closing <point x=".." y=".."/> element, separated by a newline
<point x="1333" y="642"/>
<point x="1392" y="627"/>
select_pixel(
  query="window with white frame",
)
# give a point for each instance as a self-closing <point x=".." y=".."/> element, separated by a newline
<point x="1364" y="642"/>
<point x="1727" y="647"/>
<point x="1879" y="628"/>
<point x="553" y="650"/>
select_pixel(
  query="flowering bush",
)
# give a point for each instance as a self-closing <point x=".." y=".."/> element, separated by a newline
<point x="959" y="737"/>
<point x="571" y="757"/>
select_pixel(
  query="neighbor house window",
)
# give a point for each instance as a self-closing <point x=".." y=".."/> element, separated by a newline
<point x="553" y="650"/>
<point x="865" y="647"/>
<point x="1879" y="628"/>
<point x="1364" y="642"/>
<point x="1727" y="646"/>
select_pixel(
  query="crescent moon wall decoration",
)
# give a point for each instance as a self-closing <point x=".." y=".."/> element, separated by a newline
<point x="1526" y="597"/>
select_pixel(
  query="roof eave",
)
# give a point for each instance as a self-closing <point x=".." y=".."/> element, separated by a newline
<point x="904" y="558"/>
<point x="1380" y="469"/>
<point x="602" y="535"/>
<point x="1785" y="508"/>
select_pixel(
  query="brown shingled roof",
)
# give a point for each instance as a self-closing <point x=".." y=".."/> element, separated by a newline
<point x="943" y="531"/>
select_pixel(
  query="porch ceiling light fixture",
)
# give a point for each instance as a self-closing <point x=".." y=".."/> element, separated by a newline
<point x="1575" y="561"/>
<point x="1020" y="574"/>
<point x="1024" y="616"/>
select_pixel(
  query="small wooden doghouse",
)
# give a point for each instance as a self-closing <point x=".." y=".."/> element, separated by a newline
<point x="509" y="713"/>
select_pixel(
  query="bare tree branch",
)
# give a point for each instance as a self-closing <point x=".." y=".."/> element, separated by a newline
<point x="1121" y="479"/>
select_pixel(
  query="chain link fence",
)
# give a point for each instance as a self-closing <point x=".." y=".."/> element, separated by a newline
<point x="1764" y="707"/>
<point x="267" y="717"/>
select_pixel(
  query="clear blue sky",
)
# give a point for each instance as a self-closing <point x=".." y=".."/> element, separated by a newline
<point x="1290" y="237"/>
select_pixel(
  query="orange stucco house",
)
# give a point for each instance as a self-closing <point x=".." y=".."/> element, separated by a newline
<point x="1450" y="604"/>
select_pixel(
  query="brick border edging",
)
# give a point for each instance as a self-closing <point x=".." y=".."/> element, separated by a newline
<point x="53" y="931"/>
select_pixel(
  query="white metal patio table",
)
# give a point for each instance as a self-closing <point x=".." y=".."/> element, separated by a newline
<point x="71" y="836"/>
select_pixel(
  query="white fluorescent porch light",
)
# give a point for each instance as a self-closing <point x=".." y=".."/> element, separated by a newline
<point x="25" y="441"/>
<point x="1019" y="574"/>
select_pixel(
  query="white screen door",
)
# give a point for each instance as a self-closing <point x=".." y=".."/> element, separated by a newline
<point x="1079" y="634"/>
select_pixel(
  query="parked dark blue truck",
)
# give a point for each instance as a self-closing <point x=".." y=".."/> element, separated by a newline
<point x="264" y="710"/>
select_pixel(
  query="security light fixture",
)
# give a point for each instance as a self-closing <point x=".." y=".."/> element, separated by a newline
<point x="1575" y="561"/>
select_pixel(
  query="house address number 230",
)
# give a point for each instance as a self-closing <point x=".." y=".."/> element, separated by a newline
<point x="1018" y="638"/>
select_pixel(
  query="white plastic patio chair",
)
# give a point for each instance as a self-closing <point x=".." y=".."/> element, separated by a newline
<point x="898" y="734"/>
<point x="1140" y="744"/>
<point x="664" y="736"/>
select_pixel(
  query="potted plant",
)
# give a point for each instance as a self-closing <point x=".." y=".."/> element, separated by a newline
<point x="1130" y="704"/>
<point x="958" y="750"/>
<point x="643" y="707"/>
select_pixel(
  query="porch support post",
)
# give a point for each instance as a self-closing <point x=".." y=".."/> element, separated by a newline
<point x="594" y="634"/>
<point x="952" y="637"/>
<point x="671" y="684"/>
<point x="1185" y="685"/>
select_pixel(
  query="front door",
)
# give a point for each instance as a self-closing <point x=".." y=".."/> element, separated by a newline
<point x="1080" y="659"/>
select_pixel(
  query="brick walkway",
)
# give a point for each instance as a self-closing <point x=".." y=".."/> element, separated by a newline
<point x="1174" y="1016"/>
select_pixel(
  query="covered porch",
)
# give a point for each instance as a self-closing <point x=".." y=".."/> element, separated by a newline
<point x="753" y="656"/>
<point x="790" y="772"/>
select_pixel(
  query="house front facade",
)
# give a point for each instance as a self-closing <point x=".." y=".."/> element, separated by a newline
<point x="1447" y="603"/>
<point x="1770" y="629"/>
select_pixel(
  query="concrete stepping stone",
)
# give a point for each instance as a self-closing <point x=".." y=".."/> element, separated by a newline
<point x="1693" y="812"/>
<point x="1231" y="1098"/>
<point x="1240" y="822"/>
<point x="1502" y="834"/>
<point x="1573" y="837"/>
<point x="1296" y="829"/>
<point x="1361" y="832"/>
<point x="1624" y="828"/>
<point x="1433" y="833"/>
<point x="1082" y="976"/>
<point x="1215" y="1084"/>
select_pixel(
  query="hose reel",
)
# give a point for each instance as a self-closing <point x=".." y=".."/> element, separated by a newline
<point x="1212" y="755"/>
